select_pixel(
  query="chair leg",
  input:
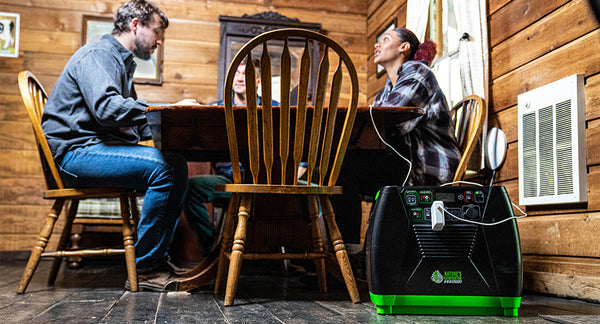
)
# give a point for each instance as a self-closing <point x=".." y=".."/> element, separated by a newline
<point x="313" y="210"/>
<point x="227" y="240"/>
<point x="75" y="261"/>
<point x="41" y="244"/>
<point x="135" y="213"/>
<point x="237" y="250"/>
<point x="64" y="238"/>
<point x="128" y="241"/>
<point x="339" y="248"/>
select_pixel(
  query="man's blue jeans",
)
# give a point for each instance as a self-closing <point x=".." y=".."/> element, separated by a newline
<point x="162" y="175"/>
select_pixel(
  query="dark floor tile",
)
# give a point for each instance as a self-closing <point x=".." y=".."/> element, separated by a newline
<point x="82" y="311"/>
<point x="182" y="307"/>
<point x="573" y="319"/>
<point x="138" y="307"/>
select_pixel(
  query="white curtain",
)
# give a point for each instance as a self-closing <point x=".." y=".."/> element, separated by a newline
<point x="473" y="54"/>
<point x="417" y="14"/>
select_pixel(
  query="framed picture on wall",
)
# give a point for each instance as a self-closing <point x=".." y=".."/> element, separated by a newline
<point x="9" y="34"/>
<point x="147" y="71"/>
<point x="390" y="26"/>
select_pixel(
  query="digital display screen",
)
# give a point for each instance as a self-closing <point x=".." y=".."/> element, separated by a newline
<point x="447" y="197"/>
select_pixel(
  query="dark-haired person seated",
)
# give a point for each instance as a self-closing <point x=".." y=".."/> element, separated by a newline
<point x="202" y="187"/>
<point x="427" y="141"/>
<point x="93" y="121"/>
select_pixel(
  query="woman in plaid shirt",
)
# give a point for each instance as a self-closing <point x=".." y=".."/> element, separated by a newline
<point x="427" y="141"/>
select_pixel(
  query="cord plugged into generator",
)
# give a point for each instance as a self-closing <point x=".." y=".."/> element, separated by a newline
<point x="437" y="216"/>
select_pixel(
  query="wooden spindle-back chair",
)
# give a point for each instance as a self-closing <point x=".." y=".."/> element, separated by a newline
<point x="35" y="97"/>
<point x="469" y="116"/>
<point x="278" y="140"/>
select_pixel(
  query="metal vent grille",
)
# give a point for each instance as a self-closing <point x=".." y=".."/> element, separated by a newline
<point x="530" y="155"/>
<point x="455" y="240"/>
<point x="552" y="165"/>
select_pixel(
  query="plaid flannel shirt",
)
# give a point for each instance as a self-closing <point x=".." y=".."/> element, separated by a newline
<point x="427" y="141"/>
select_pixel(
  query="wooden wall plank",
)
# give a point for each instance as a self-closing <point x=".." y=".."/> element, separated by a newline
<point x="353" y="6"/>
<point x="580" y="56"/>
<point x="16" y="135"/>
<point x="560" y="234"/>
<point x="568" y="22"/>
<point x="372" y="6"/>
<point x="517" y="15"/>
<point x="592" y="141"/>
<point x="383" y="16"/>
<point x="12" y="220"/>
<point x="588" y="267"/>
<point x="21" y="191"/>
<point x="494" y="5"/>
<point x="562" y="285"/>
<point x="506" y="120"/>
<point x="12" y="108"/>
<point x="192" y="31"/>
<point x="65" y="43"/>
<point x="592" y="97"/>
<point x="25" y="164"/>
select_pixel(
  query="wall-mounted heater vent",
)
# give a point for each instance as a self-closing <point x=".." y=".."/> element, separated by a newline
<point x="552" y="166"/>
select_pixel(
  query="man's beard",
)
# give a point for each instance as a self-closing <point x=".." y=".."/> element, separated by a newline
<point x="142" y="50"/>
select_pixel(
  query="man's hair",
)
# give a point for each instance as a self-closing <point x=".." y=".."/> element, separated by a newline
<point x="140" y="9"/>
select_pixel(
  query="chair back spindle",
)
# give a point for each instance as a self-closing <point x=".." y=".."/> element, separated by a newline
<point x="34" y="101"/>
<point x="468" y="116"/>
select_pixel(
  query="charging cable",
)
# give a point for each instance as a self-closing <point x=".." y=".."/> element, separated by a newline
<point x="443" y="210"/>
<point x="391" y="147"/>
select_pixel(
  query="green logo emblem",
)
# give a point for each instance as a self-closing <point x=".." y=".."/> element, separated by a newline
<point x="437" y="277"/>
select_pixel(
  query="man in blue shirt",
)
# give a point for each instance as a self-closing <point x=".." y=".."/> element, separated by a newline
<point x="94" y="121"/>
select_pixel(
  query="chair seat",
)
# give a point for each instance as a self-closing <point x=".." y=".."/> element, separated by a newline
<point x="281" y="189"/>
<point x="84" y="193"/>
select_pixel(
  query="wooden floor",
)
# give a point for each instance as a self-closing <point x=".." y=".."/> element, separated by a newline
<point x="95" y="294"/>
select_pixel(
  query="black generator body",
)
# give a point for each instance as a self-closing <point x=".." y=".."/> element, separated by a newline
<point x="461" y="269"/>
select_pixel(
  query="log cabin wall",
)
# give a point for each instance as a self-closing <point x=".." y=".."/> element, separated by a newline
<point x="51" y="33"/>
<point x="533" y="43"/>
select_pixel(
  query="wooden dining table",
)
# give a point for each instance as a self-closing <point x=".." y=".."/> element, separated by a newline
<point x="198" y="132"/>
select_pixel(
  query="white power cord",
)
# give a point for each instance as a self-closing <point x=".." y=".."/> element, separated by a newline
<point x="391" y="147"/>
<point x="442" y="209"/>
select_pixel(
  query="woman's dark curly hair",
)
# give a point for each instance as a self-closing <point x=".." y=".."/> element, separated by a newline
<point x="418" y="51"/>
<point x="140" y="9"/>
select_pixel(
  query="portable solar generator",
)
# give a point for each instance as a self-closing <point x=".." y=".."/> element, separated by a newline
<point x="421" y="260"/>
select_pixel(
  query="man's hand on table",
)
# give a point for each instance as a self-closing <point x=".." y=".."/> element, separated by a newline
<point x="187" y="102"/>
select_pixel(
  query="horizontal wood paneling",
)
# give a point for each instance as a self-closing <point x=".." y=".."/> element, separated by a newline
<point x="560" y="234"/>
<point x="494" y="5"/>
<point x="16" y="135"/>
<point x="592" y="97"/>
<point x="12" y="220"/>
<point x="562" y="285"/>
<point x="574" y="277"/>
<point x="568" y="22"/>
<point x="22" y="191"/>
<point x="518" y="14"/>
<point x="580" y="56"/>
<point x="351" y="6"/>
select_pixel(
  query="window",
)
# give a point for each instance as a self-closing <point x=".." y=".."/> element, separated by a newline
<point x="443" y="29"/>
